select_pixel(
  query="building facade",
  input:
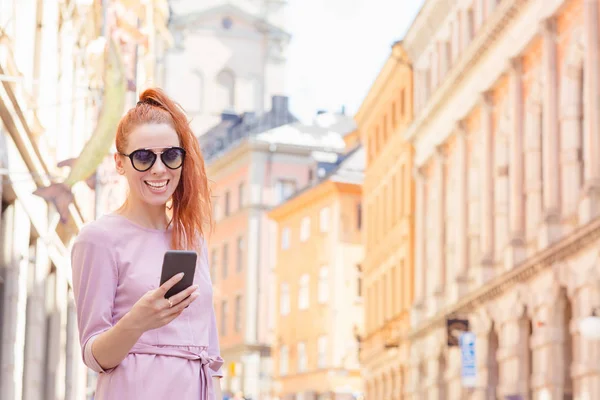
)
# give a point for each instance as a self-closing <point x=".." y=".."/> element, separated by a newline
<point x="506" y="174"/>
<point x="228" y="56"/>
<point x="254" y="162"/>
<point x="50" y="94"/>
<point x="318" y="279"/>
<point x="388" y="200"/>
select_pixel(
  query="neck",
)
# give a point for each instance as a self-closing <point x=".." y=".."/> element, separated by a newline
<point x="144" y="214"/>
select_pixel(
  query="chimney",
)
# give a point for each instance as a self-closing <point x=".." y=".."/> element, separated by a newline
<point x="229" y="116"/>
<point x="280" y="104"/>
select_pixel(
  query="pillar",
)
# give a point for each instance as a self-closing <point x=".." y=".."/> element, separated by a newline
<point x="16" y="227"/>
<point x="35" y="348"/>
<point x="549" y="232"/>
<point x="589" y="207"/>
<point x="487" y="188"/>
<point x="420" y="276"/>
<point x="513" y="351"/>
<point x="516" y="246"/>
<point x="461" y="227"/>
<point x="547" y="344"/>
<point x="440" y="234"/>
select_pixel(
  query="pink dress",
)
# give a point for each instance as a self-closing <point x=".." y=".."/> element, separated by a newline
<point x="115" y="262"/>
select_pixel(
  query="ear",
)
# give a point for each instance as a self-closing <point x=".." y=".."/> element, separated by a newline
<point x="119" y="164"/>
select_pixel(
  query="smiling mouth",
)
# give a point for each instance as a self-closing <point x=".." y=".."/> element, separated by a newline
<point x="157" y="185"/>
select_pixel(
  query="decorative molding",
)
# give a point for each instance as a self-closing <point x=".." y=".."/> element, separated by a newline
<point x="559" y="251"/>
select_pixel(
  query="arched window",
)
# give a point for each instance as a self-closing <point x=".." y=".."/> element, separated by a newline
<point x="226" y="82"/>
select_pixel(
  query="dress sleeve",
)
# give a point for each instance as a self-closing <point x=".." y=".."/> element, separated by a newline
<point x="213" y="336"/>
<point x="94" y="287"/>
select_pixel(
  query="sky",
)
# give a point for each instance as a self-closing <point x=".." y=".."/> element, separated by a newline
<point x="338" y="47"/>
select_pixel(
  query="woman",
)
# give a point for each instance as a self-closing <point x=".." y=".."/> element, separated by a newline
<point x="143" y="345"/>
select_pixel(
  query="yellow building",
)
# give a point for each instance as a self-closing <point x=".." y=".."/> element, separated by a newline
<point x="389" y="236"/>
<point x="318" y="284"/>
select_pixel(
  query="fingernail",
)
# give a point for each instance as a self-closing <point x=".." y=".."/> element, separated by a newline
<point x="181" y="274"/>
<point x="196" y="287"/>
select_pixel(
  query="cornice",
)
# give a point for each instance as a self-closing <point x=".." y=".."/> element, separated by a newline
<point x="578" y="240"/>
<point x="506" y="12"/>
<point x="429" y="20"/>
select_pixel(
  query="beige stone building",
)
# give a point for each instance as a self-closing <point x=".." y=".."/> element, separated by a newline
<point x="50" y="96"/>
<point x="507" y="181"/>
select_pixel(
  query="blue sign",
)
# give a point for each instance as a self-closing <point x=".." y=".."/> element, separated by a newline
<point x="468" y="370"/>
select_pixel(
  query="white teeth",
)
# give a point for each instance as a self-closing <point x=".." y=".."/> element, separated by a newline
<point x="157" y="185"/>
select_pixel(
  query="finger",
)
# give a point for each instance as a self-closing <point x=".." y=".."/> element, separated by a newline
<point x="182" y="305"/>
<point x="183" y="294"/>
<point x="164" y="288"/>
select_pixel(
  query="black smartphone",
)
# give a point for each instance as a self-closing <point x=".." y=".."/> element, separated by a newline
<point x="174" y="262"/>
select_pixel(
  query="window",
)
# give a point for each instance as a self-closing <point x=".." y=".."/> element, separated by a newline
<point x="238" y="313"/>
<point x="284" y="189"/>
<point x="284" y="299"/>
<point x="213" y="265"/>
<point x="303" y="292"/>
<point x="283" y="360"/>
<point x="227" y="198"/>
<point x="301" y="357"/>
<point x="285" y="238"/>
<point x="324" y="219"/>
<point x="223" y="317"/>
<point x="359" y="216"/>
<point x="226" y="98"/>
<point x="241" y="195"/>
<point x="240" y="254"/>
<point x="305" y="229"/>
<point x="225" y="261"/>
<point x="322" y="352"/>
<point x="394" y="116"/>
<point x="323" y="289"/>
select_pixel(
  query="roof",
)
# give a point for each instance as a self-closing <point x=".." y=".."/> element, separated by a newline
<point x="280" y="127"/>
<point x="233" y="127"/>
<point x="352" y="169"/>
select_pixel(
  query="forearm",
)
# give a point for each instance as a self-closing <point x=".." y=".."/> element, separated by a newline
<point x="111" y="347"/>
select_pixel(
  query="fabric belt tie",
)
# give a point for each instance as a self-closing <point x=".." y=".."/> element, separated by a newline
<point x="207" y="362"/>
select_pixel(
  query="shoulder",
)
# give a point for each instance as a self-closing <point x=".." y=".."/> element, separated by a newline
<point x="98" y="232"/>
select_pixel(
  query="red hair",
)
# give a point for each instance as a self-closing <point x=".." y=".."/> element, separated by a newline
<point x="191" y="205"/>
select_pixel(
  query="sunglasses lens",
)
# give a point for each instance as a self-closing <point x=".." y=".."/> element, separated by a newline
<point x="173" y="158"/>
<point x="143" y="159"/>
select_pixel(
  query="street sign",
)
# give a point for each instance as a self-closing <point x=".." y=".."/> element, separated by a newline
<point x="468" y="360"/>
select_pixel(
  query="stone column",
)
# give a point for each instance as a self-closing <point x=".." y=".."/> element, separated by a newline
<point x="480" y="324"/>
<point x="548" y="345"/>
<point x="516" y="249"/>
<point x="589" y="208"/>
<point x="487" y="184"/>
<point x="16" y="261"/>
<point x="461" y="226"/>
<point x="36" y="327"/>
<point x="549" y="232"/>
<point x="533" y="163"/>
<point x="440" y="238"/>
<point x="571" y="142"/>
<point x="420" y="273"/>
<point x="465" y="29"/>
<point x="513" y="351"/>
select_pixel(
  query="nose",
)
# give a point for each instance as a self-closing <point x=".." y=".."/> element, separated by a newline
<point x="158" y="167"/>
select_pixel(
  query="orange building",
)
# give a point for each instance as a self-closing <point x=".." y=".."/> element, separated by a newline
<point x="389" y="235"/>
<point x="318" y="284"/>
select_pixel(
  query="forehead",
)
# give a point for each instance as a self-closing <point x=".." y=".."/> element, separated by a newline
<point x="152" y="136"/>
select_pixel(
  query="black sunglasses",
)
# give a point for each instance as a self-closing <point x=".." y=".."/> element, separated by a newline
<point x="143" y="159"/>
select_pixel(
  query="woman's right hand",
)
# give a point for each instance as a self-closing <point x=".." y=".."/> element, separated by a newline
<point x="153" y="310"/>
